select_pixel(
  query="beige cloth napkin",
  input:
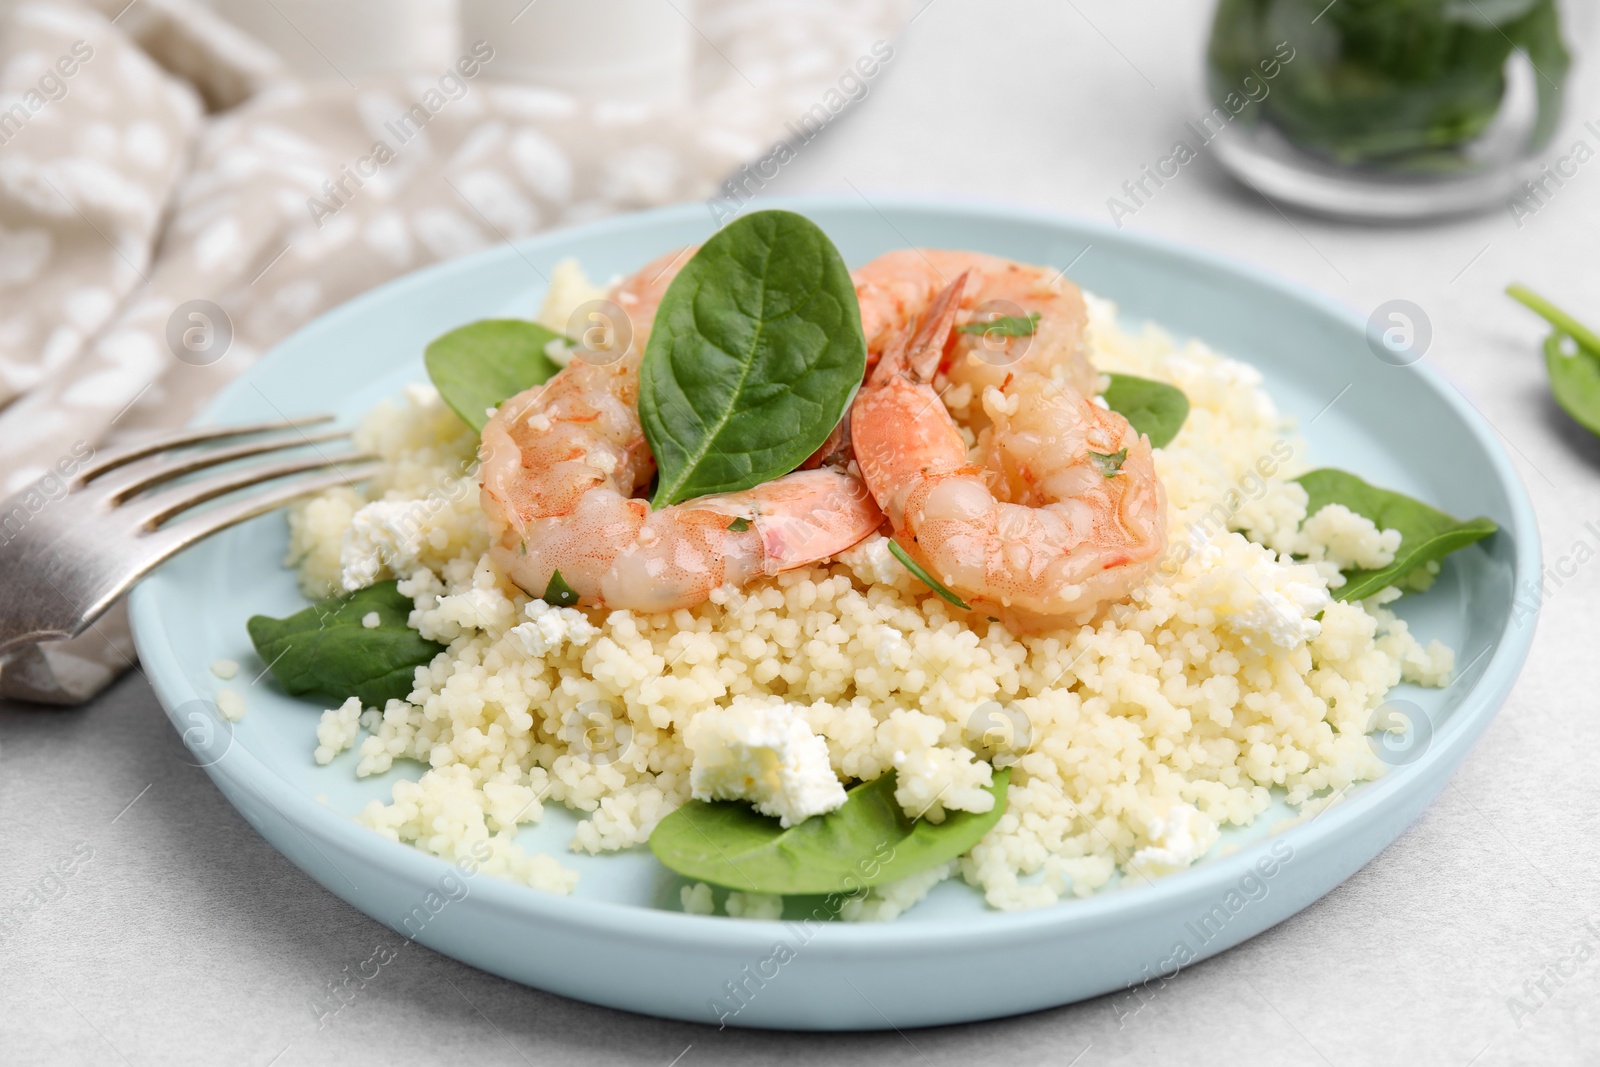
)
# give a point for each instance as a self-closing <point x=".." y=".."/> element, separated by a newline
<point x="151" y="157"/>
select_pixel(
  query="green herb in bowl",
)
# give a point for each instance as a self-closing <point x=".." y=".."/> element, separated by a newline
<point x="1398" y="85"/>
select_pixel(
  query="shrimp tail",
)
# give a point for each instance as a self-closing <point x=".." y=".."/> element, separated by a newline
<point x="927" y="349"/>
<point x="919" y="349"/>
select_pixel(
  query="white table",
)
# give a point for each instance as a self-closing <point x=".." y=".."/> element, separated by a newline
<point x="187" y="939"/>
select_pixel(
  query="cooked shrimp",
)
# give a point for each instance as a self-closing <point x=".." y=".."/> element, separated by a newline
<point x="562" y="461"/>
<point x="1057" y="515"/>
<point x="899" y="287"/>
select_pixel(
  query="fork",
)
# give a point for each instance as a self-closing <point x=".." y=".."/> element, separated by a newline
<point x="69" y="547"/>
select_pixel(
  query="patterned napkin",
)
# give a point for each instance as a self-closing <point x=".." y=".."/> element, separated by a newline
<point x="172" y="203"/>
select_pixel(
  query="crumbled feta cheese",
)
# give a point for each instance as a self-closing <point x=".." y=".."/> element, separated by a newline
<point x="1176" y="841"/>
<point x="230" y="705"/>
<point x="1263" y="602"/>
<point x="384" y="533"/>
<point x="224" y="668"/>
<point x="764" y="754"/>
<point x="482" y="609"/>
<point x="371" y="620"/>
<point x="549" y="628"/>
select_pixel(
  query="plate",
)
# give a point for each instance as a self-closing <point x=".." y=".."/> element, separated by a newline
<point x="619" y="940"/>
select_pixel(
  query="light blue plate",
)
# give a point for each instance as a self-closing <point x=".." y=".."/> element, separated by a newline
<point x="619" y="939"/>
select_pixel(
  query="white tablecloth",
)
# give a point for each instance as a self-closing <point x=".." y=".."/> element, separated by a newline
<point x="186" y="939"/>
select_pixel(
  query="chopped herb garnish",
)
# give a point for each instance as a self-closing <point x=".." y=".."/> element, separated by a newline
<point x="739" y="525"/>
<point x="1003" y="326"/>
<point x="1111" y="463"/>
<point x="558" y="594"/>
<point x="925" y="578"/>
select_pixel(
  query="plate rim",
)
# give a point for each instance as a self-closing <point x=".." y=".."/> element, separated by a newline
<point x="1207" y="880"/>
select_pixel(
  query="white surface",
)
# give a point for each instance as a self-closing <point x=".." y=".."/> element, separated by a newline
<point x="185" y="939"/>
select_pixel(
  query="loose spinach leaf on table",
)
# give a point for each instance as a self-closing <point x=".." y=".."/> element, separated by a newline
<point x="327" y="651"/>
<point x="1426" y="533"/>
<point x="1152" y="408"/>
<point x="756" y="351"/>
<point x="1574" y="381"/>
<point x="867" y="842"/>
<point x="478" y="365"/>
<point x="1574" y="376"/>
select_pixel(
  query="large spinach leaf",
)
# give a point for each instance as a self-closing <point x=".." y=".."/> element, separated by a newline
<point x="866" y="842"/>
<point x="1426" y="533"/>
<point x="755" y="353"/>
<point x="328" y="651"/>
<point x="1152" y="408"/>
<point x="478" y="365"/>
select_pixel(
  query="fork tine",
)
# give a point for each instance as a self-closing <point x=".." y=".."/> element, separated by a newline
<point x="221" y="517"/>
<point x="119" y="485"/>
<point x="156" y="548"/>
<point x="117" y="457"/>
<point x="151" y="512"/>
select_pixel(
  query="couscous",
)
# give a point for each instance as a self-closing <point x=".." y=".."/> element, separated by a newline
<point x="1228" y="671"/>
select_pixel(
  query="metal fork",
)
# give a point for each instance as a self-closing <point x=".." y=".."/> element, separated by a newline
<point x="70" y="546"/>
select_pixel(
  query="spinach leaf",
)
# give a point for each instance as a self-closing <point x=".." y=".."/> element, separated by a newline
<point x="1003" y="326"/>
<point x="1574" y="381"/>
<point x="756" y="352"/>
<point x="326" y="650"/>
<point x="866" y="842"/>
<point x="1426" y="533"/>
<point x="480" y="364"/>
<point x="1155" y="409"/>
<point x="1574" y="378"/>
<point x="924" y="577"/>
